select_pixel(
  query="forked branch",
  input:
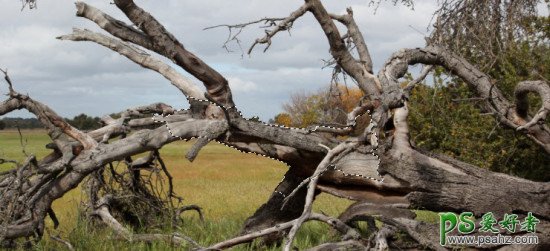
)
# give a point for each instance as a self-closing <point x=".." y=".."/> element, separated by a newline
<point x="53" y="122"/>
<point x="167" y="45"/>
<point x="357" y="37"/>
<point x="139" y="57"/>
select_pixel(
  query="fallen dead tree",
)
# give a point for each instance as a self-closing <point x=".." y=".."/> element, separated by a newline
<point x="380" y="168"/>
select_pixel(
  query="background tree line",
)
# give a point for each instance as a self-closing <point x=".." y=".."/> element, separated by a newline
<point x="82" y="122"/>
<point x="445" y="114"/>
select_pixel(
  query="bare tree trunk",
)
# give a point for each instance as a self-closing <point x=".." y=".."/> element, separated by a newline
<point x="380" y="167"/>
<point x="272" y="212"/>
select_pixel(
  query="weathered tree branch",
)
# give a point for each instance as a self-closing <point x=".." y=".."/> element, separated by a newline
<point x="357" y="36"/>
<point x="166" y="44"/>
<point x="423" y="74"/>
<point x="312" y="185"/>
<point x="90" y="160"/>
<point x="335" y="223"/>
<point x="503" y="109"/>
<point x="102" y="211"/>
<point x="380" y="166"/>
<point x="53" y="122"/>
<point x="283" y="25"/>
<point x="522" y="103"/>
<point x="340" y="52"/>
<point x="139" y="57"/>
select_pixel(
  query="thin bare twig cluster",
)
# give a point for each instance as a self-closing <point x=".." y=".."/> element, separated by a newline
<point x="28" y="3"/>
<point x="483" y="30"/>
<point x="321" y="157"/>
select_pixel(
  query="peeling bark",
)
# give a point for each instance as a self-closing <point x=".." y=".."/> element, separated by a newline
<point x="380" y="168"/>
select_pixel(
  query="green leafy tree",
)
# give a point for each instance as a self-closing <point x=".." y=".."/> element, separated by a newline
<point x="85" y="122"/>
<point x="445" y="115"/>
<point x="22" y="123"/>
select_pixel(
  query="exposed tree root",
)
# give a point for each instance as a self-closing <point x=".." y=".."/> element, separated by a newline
<point x="380" y="167"/>
<point x="67" y="244"/>
<point x="102" y="211"/>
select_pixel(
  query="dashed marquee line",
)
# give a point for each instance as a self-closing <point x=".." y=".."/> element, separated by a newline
<point x="331" y="167"/>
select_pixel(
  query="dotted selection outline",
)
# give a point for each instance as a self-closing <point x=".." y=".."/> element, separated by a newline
<point x="330" y="167"/>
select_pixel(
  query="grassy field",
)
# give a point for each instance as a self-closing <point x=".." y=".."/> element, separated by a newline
<point x="227" y="184"/>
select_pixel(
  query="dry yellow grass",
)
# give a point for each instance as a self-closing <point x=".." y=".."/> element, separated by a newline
<point x="227" y="184"/>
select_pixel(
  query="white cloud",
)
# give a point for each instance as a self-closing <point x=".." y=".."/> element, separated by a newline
<point x="75" y="77"/>
<point x="239" y="85"/>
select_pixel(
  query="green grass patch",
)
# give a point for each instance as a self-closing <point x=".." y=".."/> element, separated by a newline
<point x="227" y="184"/>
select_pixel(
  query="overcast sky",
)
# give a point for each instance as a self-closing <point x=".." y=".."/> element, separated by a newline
<point x="81" y="77"/>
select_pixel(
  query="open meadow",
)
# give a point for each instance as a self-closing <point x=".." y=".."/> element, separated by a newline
<point x="227" y="184"/>
<point x="435" y="122"/>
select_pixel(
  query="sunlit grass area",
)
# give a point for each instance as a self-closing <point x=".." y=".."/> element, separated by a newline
<point x="227" y="184"/>
<point x="33" y="141"/>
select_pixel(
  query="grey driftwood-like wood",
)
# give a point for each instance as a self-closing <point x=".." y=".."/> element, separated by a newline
<point x="380" y="168"/>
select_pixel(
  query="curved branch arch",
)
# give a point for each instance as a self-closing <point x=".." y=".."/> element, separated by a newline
<point x="412" y="178"/>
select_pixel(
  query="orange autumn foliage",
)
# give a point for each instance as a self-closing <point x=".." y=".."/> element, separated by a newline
<point x="328" y="106"/>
